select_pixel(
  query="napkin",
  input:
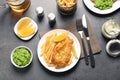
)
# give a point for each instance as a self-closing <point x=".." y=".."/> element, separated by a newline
<point x="96" y="48"/>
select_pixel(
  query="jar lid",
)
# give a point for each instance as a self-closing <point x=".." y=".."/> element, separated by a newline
<point x="113" y="47"/>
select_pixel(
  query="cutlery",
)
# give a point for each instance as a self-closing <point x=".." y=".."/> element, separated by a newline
<point x="85" y="29"/>
<point x="80" y="31"/>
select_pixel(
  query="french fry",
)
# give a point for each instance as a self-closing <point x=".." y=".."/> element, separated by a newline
<point x="67" y="3"/>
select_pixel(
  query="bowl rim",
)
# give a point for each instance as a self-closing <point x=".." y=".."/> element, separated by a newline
<point x="11" y="57"/>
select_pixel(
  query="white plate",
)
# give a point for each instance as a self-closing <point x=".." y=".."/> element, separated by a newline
<point x="74" y="61"/>
<point x="90" y="5"/>
<point x="29" y="37"/>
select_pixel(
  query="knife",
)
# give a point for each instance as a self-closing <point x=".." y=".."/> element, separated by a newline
<point x="85" y="29"/>
<point x="80" y="31"/>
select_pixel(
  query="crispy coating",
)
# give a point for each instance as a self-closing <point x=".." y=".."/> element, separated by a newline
<point x="62" y="53"/>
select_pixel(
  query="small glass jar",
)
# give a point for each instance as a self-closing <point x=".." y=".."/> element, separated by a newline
<point x="67" y="8"/>
<point x="113" y="47"/>
<point x="110" y="29"/>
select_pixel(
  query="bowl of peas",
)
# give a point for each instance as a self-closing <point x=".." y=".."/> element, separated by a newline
<point x="21" y="56"/>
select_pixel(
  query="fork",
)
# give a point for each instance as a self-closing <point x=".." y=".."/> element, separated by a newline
<point x="80" y="31"/>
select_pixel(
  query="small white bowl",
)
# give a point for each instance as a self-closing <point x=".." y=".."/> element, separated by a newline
<point x="29" y="37"/>
<point x="11" y="57"/>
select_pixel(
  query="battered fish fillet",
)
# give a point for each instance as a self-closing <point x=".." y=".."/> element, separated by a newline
<point x="62" y="53"/>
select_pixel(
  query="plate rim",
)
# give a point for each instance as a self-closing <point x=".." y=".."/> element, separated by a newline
<point x="90" y="5"/>
<point x="63" y="69"/>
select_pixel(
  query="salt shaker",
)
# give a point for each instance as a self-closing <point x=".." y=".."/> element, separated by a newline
<point x="51" y="18"/>
<point x="40" y="12"/>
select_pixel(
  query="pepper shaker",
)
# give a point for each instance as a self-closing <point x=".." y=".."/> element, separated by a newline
<point x="51" y="18"/>
<point x="40" y="12"/>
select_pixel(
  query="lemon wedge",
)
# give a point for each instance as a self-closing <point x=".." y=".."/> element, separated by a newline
<point x="25" y="27"/>
<point x="61" y="37"/>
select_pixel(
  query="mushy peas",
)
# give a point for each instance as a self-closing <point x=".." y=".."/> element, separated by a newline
<point x="21" y="56"/>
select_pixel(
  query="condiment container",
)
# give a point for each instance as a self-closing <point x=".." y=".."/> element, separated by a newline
<point x="21" y="57"/>
<point x="40" y="12"/>
<point x="113" y="47"/>
<point x="51" y="18"/>
<point x="26" y="28"/>
<point x="110" y="29"/>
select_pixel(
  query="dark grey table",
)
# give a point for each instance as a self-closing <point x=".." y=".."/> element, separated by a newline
<point x="106" y="68"/>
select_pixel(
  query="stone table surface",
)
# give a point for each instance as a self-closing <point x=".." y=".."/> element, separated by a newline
<point x="107" y="68"/>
